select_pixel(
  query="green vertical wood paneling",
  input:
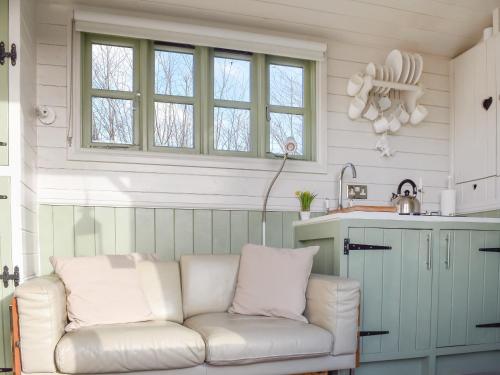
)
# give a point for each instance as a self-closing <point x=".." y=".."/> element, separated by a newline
<point x="444" y="290"/>
<point x="64" y="231"/>
<point x="373" y="293"/>
<point x="183" y="232"/>
<point x="125" y="230"/>
<point x="491" y="286"/>
<point x="164" y="233"/>
<point x="221" y="232"/>
<point x="409" y="290"/>
<point x="5" y="260"/>
<point x="424" y="294"/>
<point x="391" y="290"/>
<point x="46" y="237"/>
<point x="460" y="284"/>
<point x="475" y="287"/>
<point x="145" y="230"/>
<point x="81" y="230"/>
<point x="104" y="226"/>
<point x="239" y="230"/>
<point x="84" y="228"/>
<point x="288" y="219"/>
<point x="255" y="227"/>
<point x="202" y="236"/>
<point x="274" y="229"/>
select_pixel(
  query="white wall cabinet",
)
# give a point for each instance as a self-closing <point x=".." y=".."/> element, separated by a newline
<point x="474" y="83"/>
<point x="476" y="126"/>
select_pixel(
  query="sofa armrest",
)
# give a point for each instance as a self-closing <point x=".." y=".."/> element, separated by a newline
<point x="332" y="304"/>
<point x="42" y="317"/>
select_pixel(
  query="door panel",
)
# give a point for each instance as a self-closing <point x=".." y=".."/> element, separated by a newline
<point x="395" y="289"/>
<point x="468" y="287"/>
<point x="5" y="260"/>
<point x="4" y="85"/>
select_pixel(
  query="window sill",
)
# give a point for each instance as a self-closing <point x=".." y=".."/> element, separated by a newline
<point x="76" y="153"/>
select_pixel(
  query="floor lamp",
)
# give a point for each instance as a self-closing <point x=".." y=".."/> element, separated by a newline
<point x="289" y="147"/>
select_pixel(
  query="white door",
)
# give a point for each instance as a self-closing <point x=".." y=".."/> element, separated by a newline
<point x="5" y="196"/>
<point x="475" y="111"/>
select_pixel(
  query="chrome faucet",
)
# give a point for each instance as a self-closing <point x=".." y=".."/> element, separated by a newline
<point x="353" y="171"/>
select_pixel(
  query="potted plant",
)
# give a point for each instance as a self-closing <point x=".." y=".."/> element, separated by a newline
<point x="305" y="198"/>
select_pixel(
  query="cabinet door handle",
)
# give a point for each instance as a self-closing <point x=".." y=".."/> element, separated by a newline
<point x="487" y="103"/>
<point x="448" y="246"/>
<point x="429" y="253"/>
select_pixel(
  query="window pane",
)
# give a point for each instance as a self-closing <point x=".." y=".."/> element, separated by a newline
<point x="284" y="125"/>
<point x="112" y="121"/>
<point x="232" y="129"/>
<point x="286" y="85"/>
<point x="173" y="73"/>
<point x="231" y="79"/>
<point x="174" y="125"/>
<point x="112" y="67"/>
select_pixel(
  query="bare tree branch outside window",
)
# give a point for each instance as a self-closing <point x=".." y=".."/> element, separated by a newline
<point x="286" y="89"/>
<point x="232" y="125"/>
<point x="112" y="70"/>
<point x="174" y="122"/>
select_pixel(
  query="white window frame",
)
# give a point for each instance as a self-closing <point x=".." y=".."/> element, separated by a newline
<point x="76" y="152"/>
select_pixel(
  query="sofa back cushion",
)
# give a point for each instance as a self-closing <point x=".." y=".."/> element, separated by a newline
<point x="161" y="284"/>
<point x="273" y="282"/>
<point x="102" y="289"/>
<point x="208" y="283"/>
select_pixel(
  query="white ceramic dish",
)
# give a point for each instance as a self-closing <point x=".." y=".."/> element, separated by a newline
<point x="394" y="60"/>
<point x="406" y="68"/>
<point x="411" y="74"/>
<point x="419" y="68"/>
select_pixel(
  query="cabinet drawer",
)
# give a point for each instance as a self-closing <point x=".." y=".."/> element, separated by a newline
<point x="476" y="194"/>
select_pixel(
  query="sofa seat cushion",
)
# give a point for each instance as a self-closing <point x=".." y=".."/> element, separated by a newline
<point x="242" y="339"/>
<point x="155" y="345"/>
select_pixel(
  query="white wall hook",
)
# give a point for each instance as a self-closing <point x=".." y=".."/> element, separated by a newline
<point x="46" y="115"/>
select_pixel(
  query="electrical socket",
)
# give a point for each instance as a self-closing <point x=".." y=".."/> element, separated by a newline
<point x="357" y="192"/>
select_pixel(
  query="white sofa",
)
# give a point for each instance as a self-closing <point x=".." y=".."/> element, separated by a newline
<point x="210" y="340"/>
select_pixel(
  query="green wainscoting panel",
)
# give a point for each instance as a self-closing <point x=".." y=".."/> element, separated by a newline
<point x="170" y="233"/>
<point x="5" y="260"/>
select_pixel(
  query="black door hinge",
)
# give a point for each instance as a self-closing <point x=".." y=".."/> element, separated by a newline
<point x="12" y="55"/>
<point x="372" y="333"/>
<point x="348" y="246"/>
<point x="6" y="276"/>
<point x="488" y="325"/>
<point x="490" y="249"/>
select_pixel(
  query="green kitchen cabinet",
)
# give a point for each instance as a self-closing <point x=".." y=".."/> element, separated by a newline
<point x="396" y="289"/>
<point x="430" y="287"/>
<point x="469" y="299"/>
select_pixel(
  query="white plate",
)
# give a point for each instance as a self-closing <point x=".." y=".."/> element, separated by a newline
<point x="406" y="68"/>
<point x="380" y="77"/>
<point x="394" y="60"/>
<point x="388" y="78"/>
<point x="409" y="80"/>
<point x="419" y="61"/>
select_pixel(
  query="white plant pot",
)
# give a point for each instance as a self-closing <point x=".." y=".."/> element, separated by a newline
<point x="305" y="215"/>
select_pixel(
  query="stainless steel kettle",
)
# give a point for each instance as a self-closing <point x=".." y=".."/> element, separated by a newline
<point x="405" y="203"/>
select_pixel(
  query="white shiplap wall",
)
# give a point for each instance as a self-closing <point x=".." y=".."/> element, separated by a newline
<point x="422" y="151"/>
<point x="28" y="181"/>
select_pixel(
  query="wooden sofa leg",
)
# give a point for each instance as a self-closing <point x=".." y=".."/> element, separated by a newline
<point x="14" y="327"/>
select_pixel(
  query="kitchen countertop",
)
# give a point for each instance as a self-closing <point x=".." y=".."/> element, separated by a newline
<point x="394" y="216"/>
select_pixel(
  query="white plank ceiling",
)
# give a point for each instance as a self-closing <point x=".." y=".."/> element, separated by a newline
<point x="439" y="27"/>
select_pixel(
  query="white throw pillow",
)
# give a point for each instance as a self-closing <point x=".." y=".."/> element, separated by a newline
<point x="103" y="289"/>
<point x="273" y="282"/>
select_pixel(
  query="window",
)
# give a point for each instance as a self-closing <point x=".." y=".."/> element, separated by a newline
<point x="165" y="97"/>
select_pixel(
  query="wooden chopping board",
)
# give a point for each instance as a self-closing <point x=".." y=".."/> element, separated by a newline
<point x="364" y="209"/>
